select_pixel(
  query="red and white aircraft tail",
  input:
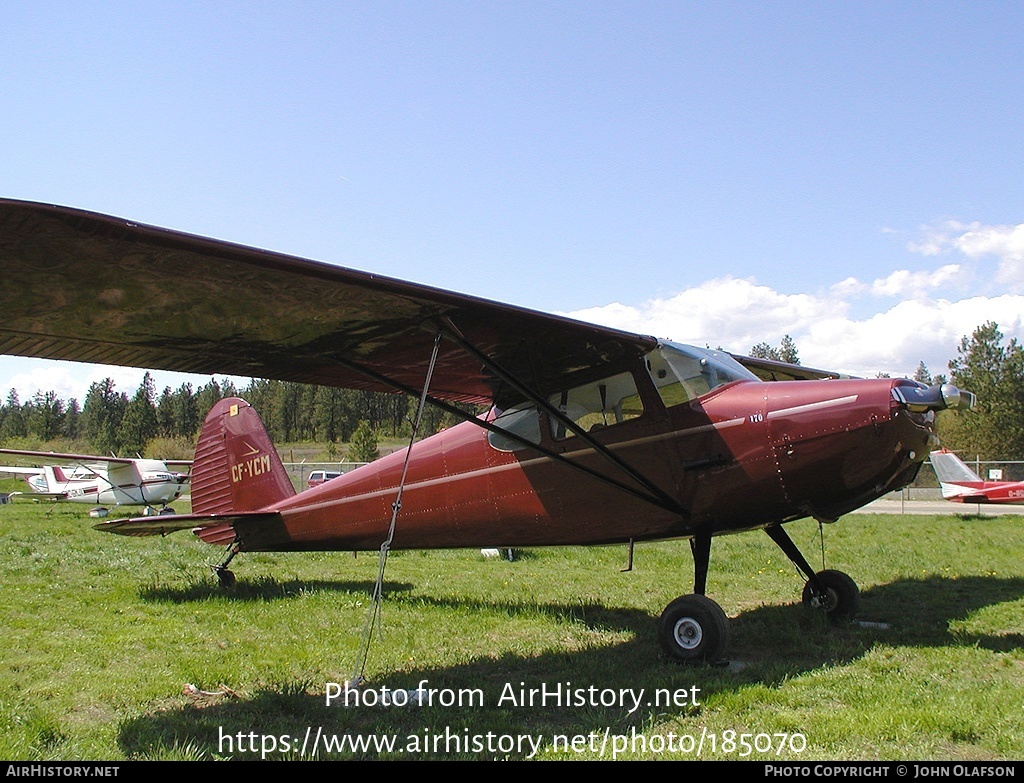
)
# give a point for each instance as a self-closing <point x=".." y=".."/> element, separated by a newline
<point x="960" y="484"/>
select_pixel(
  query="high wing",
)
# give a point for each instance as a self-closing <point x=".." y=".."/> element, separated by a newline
<point x="59" y="458"/>
<point x="33" y="459"/>
<point x="99" y="289"/>
<point x="769" y="370"/>
<point x="21" y="471"/>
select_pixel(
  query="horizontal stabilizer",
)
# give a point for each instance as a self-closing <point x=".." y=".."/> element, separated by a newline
<point x="969" y="498"/>
<point x="163" y="524"/>
<point x="38" y="495"/>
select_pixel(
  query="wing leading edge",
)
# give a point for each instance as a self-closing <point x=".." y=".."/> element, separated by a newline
<point x="56" y="457"/>
<point x="93" y="288"/>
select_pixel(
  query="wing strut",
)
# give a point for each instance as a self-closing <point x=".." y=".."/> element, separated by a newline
<point x="659" y="499"/>
<point x="378" y="589"/>
<point x="664" y="500"/>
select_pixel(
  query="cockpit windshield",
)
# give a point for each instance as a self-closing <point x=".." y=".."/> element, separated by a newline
<point x="684" y="372"/>
<point x="680" y="373"/>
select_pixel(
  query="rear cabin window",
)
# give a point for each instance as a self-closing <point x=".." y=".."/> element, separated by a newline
<point x="523" y="420"/>
<point x="594" y="406"/>
<point x="591" y="407"/>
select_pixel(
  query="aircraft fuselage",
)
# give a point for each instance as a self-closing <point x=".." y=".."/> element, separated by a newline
<point x="746" y="455"/>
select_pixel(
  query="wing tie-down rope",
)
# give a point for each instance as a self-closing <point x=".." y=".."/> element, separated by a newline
<point x="373" y="615"/>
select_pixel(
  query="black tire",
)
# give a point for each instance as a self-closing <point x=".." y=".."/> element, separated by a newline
<point x="166" y="510"/>
<point x="694" y="629"/>
<point x="842" y="596"/>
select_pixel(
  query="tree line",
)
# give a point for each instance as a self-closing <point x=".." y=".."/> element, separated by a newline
<point x="110" y="421"/>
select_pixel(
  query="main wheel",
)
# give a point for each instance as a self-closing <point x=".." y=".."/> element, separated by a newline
<point x="694" y="628"/>
<point x="841" y="599"/>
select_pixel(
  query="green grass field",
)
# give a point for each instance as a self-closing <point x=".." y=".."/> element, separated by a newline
<point x="103" y="634"/>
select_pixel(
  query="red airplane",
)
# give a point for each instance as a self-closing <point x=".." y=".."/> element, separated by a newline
<point x="960" y="484"/>
<point x="593" y="435"/>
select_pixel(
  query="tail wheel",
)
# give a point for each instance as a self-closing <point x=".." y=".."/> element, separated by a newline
<point x="841" y="598"/>
<point x="693" y="628"/>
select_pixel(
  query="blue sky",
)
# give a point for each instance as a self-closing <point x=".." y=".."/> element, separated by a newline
<point x="718" y="173"/>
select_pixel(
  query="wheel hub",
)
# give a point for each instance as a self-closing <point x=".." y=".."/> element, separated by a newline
<point x="826" y="601"/>
<point x="688" y="633"/>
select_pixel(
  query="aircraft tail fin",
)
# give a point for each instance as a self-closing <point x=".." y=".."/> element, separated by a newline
<point x="54" y="476"/>
<point x="950" y="468"/>
<point x="236" y="467"/>
<point x="955" y="478"/>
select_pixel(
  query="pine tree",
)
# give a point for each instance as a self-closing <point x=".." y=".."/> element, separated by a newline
<point x="363" y="447"/>
<point x="764" y="351"/>
<point x="922" y="375"/>
<point x="101" y="416"/>
<point x="72" y="417"/>
<point x="45" y="415"/>
<point x="13" y="423"/>
<point x="185" y="412"/>
<point x="139" y="423"/>
<point x="994" y="372"/>
<point x="787" y="350"/>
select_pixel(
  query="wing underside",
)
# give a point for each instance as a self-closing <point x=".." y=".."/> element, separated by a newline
<point x="60" y="458"/>
<point x="93" y="288"/>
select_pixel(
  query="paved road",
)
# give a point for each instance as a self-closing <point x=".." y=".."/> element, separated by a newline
<point x="889" y="506"/>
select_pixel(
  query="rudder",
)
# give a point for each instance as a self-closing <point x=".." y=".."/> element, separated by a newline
<point x="236" y="466"/>
<point x="949" y="468"/>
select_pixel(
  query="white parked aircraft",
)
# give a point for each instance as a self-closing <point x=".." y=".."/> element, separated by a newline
<point x="101" y="481"/>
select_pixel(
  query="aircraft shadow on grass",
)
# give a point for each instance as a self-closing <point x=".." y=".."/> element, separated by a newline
<point x="774" y="644"/>
<point x="263" y="589"/>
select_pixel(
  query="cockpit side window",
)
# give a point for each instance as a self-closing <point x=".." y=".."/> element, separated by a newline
<point x="682" y="373"/>
<point x="594" y="406"/>
<point x="523" y="420"/>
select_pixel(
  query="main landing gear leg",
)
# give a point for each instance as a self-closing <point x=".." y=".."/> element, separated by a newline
<point x="693" y="628"/>
<point x="225" y="577"/>
<point x="832" y="592"/>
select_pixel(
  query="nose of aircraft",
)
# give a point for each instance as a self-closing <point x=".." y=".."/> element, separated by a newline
<point x="841" y="444"/>
<point x="920" y="398"/>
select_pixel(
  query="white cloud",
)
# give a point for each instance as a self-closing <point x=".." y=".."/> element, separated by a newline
<point x="903" y="283"/>
<point x="851" y="286"/>
<point x="907" y="284"/>
<point x="737" y="314"/>
<point x="718" y="312"/>
<point x="45" y="377"/>
<point x="895" y="340"/>
<point x="933" y="313"/>
<point x="977" y="241"/>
